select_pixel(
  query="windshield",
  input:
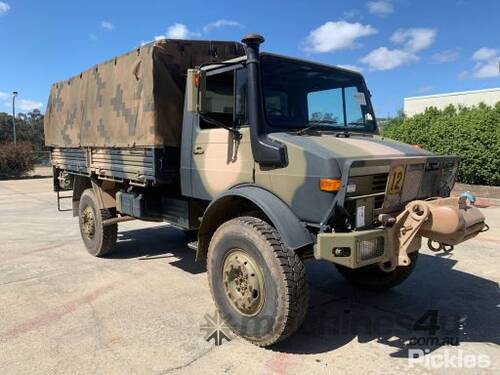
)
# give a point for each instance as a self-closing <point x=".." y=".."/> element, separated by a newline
<point x="298" y="95"/>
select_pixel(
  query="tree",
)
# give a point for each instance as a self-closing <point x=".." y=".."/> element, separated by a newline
<point x="29" y="129"/>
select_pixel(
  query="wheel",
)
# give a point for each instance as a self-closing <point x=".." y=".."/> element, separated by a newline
<point x="258" y="285"/>
<point x="373" y="278"/>
<point x="98" y="239"/>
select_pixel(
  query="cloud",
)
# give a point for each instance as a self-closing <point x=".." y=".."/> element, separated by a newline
<point x="350" y="67"/>
<point x="350" y="14"/>
<point x="4" y="8"/>
<point x="484" y="53"/>
<point x="411" y="40"/>
<point x="220" y="23"/>
<point x="490" y="69"/>
<point x="333" y="36"/>
<point x="28" y="105"/>
<point x="106" y="25"/>
<point x="22" y="104"/>
<point x="424" y="89"/>
<point x="383" y="58"/>
<point x="463" y="75"/>
<point x="445" y="56"/>
<point x="181" y="31"/>
<point x="380" y="8"/>
<point x="415" y="39"/>
<point x="178" y="31"/>
<point x="487" y="64"/>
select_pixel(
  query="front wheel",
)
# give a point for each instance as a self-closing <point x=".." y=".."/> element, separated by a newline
<point x="373" y="278"/>
<point x="98" y="239"/>
<point x="258" y="285"/>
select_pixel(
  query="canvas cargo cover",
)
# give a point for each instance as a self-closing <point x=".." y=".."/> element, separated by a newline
<point x="133" y="100"/>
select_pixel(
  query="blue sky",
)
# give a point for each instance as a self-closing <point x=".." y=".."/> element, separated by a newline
<point x="403" y="47"/>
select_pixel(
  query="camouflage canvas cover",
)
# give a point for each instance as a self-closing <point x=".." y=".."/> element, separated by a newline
<point x="133" y="100"/>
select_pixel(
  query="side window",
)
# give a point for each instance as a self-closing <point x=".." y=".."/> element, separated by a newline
<point x="277" y="104"/>
<point x="241" y="101"/>
<point x="219" y="98"/>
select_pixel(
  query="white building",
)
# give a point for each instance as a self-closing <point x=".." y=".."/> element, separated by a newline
<point x="418" y="104"/>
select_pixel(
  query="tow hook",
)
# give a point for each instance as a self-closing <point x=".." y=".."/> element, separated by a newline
<point x="437" y="246"/>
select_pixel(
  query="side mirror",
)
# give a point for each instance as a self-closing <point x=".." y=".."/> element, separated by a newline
<point x="195" y="89"/>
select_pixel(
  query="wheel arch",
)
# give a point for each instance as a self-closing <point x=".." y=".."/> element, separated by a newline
<point x="240" y="201"/>
<point x="104" y="191"/>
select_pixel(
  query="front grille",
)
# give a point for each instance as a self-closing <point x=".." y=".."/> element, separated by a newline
<point x="379" y="182"/>
<point x="369" y="184"/>
<point x="370" y="189"/>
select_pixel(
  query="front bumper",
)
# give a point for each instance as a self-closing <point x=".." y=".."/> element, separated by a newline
<point x="448" y="221"/>
<point x="358" y="248"/>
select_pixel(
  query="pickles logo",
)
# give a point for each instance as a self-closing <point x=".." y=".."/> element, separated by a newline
<point x="396" y="180"/>
<point x="215" y="329"/>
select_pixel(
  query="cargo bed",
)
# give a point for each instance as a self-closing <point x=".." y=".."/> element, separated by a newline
<point x="139" y="166"/>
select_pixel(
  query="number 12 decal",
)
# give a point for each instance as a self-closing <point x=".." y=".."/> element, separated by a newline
<point x="396" y="179"/>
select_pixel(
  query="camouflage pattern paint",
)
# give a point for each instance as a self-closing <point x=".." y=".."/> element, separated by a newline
<point x="311" y="157"/>
<point x="223" y="163"/>
<point x="132" y="100"/>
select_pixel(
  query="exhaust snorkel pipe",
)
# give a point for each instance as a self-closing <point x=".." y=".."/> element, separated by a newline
<point x="266" y="152"/>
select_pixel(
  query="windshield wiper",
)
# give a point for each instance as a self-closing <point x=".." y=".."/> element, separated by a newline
<point x="361" y="134"/>
<point x="318" y="124"/>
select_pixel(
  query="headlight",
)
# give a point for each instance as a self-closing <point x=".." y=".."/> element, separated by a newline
<point x="373" y="248"/>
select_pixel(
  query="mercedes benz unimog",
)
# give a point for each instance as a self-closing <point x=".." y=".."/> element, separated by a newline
<point x="266" y="161"/>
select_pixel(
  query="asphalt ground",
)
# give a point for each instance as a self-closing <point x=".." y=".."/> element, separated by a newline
<point x="142" y="309"/>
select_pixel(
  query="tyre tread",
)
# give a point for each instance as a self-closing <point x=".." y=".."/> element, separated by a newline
<point x="109" y="232"/>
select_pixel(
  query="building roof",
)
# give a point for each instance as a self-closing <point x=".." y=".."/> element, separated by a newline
<point x="456" y="93"/>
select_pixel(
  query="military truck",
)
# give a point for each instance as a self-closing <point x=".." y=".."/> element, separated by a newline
<point x="268" y="160"/>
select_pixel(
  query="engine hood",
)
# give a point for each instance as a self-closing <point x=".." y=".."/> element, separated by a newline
<point x="353" y="147"/>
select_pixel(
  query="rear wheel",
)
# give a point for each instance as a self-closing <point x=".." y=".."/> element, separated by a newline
<point x="373" y="278"/>
<point x="98" y="239"/>
<point x="258" y="285"/>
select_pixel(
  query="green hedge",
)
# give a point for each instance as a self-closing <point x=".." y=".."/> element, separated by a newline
<point x="472" y="133"/>
<point x="15" y="161"/>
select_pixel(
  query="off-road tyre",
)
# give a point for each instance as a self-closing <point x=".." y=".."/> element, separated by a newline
<point x="373" y="278"/>
<point x="285" y="289"/>
<point x="103" y="238"/>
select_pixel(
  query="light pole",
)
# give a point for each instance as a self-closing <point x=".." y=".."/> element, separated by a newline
<point x="14" y="94"/>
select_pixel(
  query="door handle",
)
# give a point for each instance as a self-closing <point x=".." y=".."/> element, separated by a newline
<point x="198" y="150"/>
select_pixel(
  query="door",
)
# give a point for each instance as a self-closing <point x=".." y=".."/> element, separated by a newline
<point x="219" y="159"/>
